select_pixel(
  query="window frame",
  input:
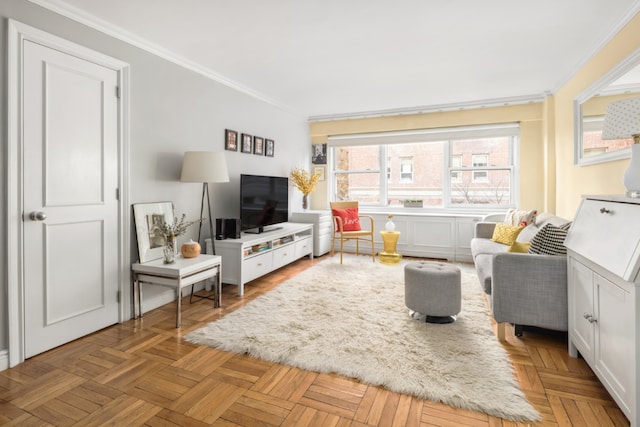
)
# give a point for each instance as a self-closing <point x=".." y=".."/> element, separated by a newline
<point x="513" y="167"/>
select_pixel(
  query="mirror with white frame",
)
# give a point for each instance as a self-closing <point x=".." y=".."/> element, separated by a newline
<point x="622" y="81"/>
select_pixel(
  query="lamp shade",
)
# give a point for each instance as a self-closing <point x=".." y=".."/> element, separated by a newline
<point x="204" y="166"/>
<point x="622" y="119"/>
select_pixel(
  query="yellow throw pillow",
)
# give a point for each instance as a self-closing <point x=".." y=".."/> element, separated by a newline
<point x="519" y="247"/>
<point x="506" y="234"/>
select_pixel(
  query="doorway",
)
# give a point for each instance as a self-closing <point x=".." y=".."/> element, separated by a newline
<point x="68" y="250"/>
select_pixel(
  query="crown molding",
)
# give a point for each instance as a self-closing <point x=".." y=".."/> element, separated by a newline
<point x="487" y="103"/>
<point x="627" y="17"/>
<point x="121" y="34"/>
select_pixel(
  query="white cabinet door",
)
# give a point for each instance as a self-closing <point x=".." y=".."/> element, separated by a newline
<point x="614" y="339"/>
<point x="580" y="308"/>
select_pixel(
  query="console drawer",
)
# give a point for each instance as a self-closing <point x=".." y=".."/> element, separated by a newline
<point x="257" y="266"/>
<point x="284" y="255"/>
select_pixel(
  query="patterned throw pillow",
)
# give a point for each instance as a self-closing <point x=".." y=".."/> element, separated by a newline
<point x="350" y="218"/>
<point x="505" y="234"/>
<point x="550" y="240"/>
<point x="523" y="218"/>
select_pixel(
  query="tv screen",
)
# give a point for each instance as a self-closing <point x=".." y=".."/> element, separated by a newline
<point x="264" y="201"/>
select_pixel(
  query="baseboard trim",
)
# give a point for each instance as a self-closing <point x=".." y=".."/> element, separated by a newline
<point x="4" y="360"/>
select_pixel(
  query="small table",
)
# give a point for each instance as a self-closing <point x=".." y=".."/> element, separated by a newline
<point x="389" y="255"/>
<point x="180" y="274"/>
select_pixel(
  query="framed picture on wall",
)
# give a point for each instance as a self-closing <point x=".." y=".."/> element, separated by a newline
<point x="247" y="143"/>
<point x="319" y="154"/>
<point x="269" y="147"/>
<point x="258" y="145"/>
<point x="148" y="218"/>
<point x="319" y="170"/>
<point x="230" y="140"/>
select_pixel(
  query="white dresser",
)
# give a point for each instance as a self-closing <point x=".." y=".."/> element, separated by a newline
<point x="604" y="326"/>
<point x="322" y="228"/>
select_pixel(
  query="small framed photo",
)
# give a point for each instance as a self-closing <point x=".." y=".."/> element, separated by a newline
<point x="230" y="140"/>
<point x="319" y="170"/>
<point x="149" y="218"/>
<point x="247" y="143"/>
<point x="258" y="145"/>
<point x="269" y="147"/>
<point x="319" y="154"/>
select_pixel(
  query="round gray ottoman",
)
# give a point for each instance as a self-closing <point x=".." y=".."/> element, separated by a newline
<point x="432" y="288"/>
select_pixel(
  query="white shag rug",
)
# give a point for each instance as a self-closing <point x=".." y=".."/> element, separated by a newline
<point x="351" y="319"/>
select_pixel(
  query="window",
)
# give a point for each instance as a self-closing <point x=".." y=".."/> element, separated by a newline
<point x="406" y="169"/>
<point x="480" y="160"/>
<point x="445" y="168"/>
<point x="592" y="142"/>
<point x="456" y="162"/>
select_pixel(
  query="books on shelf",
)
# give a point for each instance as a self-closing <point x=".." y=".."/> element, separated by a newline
<point x="264" y="246"/>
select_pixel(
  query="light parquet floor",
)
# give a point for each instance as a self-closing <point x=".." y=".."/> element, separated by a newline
<point x="141" y="372"/>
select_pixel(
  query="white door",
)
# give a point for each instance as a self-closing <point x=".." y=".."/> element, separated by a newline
<point x="70" y="206"/>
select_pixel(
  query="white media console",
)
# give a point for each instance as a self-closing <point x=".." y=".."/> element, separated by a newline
<point x="254" y="255"/>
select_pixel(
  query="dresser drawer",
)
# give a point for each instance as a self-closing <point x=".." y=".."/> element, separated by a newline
<point x="608" y="234"/>
<point x="284" y="255"/>
<point x="257" y="266"/>
<point x="304" y="247"/>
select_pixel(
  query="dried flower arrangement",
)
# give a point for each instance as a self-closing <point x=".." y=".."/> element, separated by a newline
<point x="177" y="228"/>
<point x="302" y="181"/>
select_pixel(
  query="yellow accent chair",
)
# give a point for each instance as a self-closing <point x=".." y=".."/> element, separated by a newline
<point x="343" y="236"/>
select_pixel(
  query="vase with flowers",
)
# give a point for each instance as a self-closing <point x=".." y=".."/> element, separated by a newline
<point x="304" y="182"/>
<point x="170" y="231"/>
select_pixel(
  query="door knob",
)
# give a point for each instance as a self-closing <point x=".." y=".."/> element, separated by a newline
<point x="38" y="216"/>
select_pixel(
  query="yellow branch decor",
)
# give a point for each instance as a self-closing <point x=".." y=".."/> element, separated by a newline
<point x="303" y="182"/>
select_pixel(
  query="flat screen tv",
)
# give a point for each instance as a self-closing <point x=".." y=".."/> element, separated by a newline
<point x="264" y="201"/>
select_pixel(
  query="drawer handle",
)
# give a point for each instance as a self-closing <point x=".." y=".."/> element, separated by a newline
<point x="605" y="211"/>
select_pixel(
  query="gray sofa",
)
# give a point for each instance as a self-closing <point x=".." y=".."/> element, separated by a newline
<point x="523" y="289"/>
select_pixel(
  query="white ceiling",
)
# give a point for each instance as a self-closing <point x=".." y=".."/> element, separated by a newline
<point x="338" y="58"/>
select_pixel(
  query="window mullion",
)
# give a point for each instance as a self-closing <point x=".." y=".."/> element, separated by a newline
<point x="446" y="170"/>
<point x="384" y="198"/>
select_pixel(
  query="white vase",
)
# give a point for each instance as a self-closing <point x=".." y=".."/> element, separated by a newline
<point x="632" y="175"/>
<point x="390" y="226"/>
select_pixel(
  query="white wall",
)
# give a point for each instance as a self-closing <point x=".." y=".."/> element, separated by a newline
<point x="172" y="110"/>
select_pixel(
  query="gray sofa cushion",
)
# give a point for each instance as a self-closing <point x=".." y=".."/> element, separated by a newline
<point x="484" y="263"/>
<point x="486" y="246"/>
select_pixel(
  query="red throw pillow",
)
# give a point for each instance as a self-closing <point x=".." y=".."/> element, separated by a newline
<point x="350" y="218"/>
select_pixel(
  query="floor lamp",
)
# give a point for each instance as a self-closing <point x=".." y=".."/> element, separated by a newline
<point x="205" y="167"/>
